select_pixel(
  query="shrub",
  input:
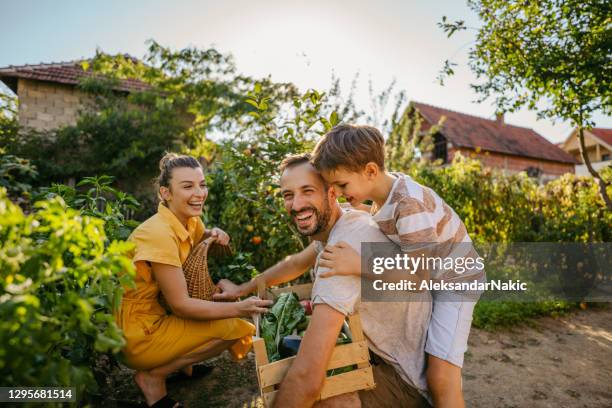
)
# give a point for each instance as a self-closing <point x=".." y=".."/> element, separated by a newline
<point x="488" y="202"/>
<point x="570" y="209"/>
<point x="491" y="315"/>
<point x="58" y="286"/>
<point x="16" y="175"/>
<point x="514" y="208"/>
<point x="99" y="200"/>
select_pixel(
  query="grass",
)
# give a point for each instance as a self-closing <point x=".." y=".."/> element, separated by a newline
<point x="494" y="314"/>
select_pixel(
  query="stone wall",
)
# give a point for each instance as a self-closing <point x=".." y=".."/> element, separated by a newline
<point x="46" y="105"/>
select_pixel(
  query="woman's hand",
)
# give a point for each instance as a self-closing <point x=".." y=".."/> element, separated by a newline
<point x="222" y="237"/>
<point x="229" y="290"/>
<point x="253" y="305"/>
<point x="340" y="259"/>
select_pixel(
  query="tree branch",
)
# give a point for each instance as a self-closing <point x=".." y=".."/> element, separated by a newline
<point x="585" y="157"/>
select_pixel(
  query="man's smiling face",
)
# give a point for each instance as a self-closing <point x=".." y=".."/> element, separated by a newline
<point x="306" y="198"/>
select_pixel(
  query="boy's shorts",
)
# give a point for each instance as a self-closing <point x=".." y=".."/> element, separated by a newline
<point x="449" y="330"/>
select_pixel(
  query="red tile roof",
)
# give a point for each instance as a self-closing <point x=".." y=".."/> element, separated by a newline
<point x="473" y="132"/>
<point x="603" y="134"/>
<point x="63" y="72"/>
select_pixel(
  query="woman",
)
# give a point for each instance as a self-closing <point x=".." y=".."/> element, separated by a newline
<point x="158" y="343"/>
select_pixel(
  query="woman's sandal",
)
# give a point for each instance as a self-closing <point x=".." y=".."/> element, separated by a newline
<point x="166" y="402"/>
<point x="198" y="371"/>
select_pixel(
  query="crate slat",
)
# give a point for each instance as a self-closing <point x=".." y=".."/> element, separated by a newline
<point x="261" y="355"/>
<point x="261" y="359"/>
<point x="361" y="379"/>
<point x="354" y="323"/>
<point x="342" y="356"/>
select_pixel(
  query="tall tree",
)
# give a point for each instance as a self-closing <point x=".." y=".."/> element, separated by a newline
<point x="552" y="56"/>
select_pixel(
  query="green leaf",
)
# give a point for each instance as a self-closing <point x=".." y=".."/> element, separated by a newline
<point x="284" y="316"/>
<point x="252" y="103"/>
<point x="333" y="118"/>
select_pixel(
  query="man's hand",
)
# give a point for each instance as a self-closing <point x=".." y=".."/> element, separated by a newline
<point x="340" y="259"/>
<point x="229" y="290"/>
<point x="222" y="237"/>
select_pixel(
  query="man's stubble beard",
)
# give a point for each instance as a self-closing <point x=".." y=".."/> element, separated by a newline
<point x="323" y="218"/>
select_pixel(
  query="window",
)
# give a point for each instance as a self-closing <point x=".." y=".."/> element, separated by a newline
<point x="534" y="172"/>
<point x="440" y="151"/>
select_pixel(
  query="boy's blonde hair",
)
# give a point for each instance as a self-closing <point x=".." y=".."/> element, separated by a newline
<point x="351" y="147"/>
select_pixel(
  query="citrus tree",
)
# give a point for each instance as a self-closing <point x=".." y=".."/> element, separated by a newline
<point x="244" y="194"/>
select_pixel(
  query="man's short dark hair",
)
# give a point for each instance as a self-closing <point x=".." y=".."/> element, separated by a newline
<point x="294" y="160"/>
<point x="297" y="159"/>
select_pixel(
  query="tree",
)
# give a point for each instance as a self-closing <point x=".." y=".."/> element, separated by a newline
<point x="189" y="94"/>
<point x="408" y="145"/>
<point x="552" y="56"/>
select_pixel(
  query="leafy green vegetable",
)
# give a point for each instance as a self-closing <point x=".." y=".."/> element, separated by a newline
<point x="340" y="370"/>
<point x="284" y="317"/>
<point x="303" y="325"/>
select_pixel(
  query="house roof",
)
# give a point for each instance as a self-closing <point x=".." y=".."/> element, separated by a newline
<point x="69" y="72"/>
<point x="604" y="134"/>
<point x="474" y="132"/>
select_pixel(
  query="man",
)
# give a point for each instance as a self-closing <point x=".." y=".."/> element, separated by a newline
<point x="396" y="331"/>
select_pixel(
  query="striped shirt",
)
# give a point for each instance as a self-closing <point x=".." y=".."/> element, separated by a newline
<point x="419" y="221"/>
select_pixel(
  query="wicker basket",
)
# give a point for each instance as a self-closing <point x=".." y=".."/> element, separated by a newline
<point x="195" y="268"/>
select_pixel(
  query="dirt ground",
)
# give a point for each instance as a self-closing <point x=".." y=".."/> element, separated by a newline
<point x="562" y="362"/>
<point x="553" y="362"/>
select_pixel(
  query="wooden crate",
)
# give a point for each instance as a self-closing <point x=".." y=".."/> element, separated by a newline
<point x="270" y="375"/>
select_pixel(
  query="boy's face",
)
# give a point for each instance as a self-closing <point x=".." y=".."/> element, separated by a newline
<point x="354" y="186"/>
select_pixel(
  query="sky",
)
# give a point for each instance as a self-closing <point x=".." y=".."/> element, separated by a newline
<point x="292" y="41"/>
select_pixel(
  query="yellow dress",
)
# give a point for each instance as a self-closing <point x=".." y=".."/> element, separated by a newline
<point x="153" y="337"/>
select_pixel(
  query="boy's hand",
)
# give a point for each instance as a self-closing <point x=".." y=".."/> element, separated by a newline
<point x="222" y="237"/>
<point x="340" y="259"/>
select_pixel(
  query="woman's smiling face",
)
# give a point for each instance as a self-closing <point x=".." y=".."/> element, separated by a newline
<point x="186" y="194"/>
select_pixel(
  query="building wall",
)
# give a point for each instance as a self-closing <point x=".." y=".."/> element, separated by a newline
<point x="46" y="105"/>
<point x="515" y="164"/>
<point x="581" y="169"/>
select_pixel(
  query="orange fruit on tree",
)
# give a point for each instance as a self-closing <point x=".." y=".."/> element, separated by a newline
<point x="256" y="240"/>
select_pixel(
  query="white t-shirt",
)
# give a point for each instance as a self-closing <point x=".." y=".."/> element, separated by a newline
<point x="396" y="331"/>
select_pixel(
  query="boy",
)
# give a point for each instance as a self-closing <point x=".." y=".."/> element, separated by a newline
<point x="351" y="159"/>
